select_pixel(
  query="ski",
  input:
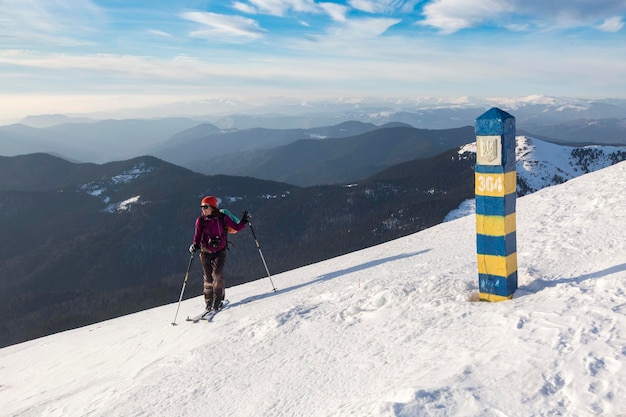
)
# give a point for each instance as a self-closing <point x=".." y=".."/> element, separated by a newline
<point x="210" y="314"/>
<point x="207" y="314"/>
<point x="197" y="318"/>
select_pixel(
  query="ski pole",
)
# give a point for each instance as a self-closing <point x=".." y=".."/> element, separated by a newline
<point x="262" y="257"/>
<point x="183" y="289"/>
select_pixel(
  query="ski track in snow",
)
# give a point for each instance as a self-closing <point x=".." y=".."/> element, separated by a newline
<point x="386" y="331"/>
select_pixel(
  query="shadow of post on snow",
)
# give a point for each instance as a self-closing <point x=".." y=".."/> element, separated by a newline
<point x="540" y="284"/>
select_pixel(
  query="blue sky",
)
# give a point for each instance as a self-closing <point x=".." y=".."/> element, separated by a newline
<point x="59" y="56"/>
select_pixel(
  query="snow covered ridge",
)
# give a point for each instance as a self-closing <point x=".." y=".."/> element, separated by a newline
<point x="387" y="331"/>
<point x="542" y="164"/>
<point x="103" y="187"/>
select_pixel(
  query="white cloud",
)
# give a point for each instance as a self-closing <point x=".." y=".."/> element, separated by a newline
<point x="112" y="66"/>
<point x="280" y="7"/>
<point x="450" y="16"/>
<point x="369" y="6"/>
<point x="382" y="6"/>
<point x="369" y="27"/>
<point x="244" y="8"/>
<point x="344" y="34"/>
<point x="48" y="22"/>
<point x="49" y="15"/>
<point x="453" y="15"/>
<point x="571" y="13"/>
<point x="612" y="24"/>
<point x="336" y="11"/>
<point x="224" y="27"/>
<point x="159" y="33"/>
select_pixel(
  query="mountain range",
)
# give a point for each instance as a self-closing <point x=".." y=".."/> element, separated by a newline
<point x="86" y="242"/>
<point x="95" y="141"/>
<point x="420" y="112"/>
<point x="333" y="160"/>
<point x="202" y="133"/>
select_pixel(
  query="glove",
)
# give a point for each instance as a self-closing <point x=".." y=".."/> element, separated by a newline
<point x="245" y="218"/>
<point x="194" y="247"/>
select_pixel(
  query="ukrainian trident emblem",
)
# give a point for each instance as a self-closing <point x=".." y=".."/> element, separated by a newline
<point x="489" y="150"/>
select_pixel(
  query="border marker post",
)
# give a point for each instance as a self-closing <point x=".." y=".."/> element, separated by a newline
<point x="496" y="193"/>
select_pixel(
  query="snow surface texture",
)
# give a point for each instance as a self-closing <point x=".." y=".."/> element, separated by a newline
<point x="386" y="331"/>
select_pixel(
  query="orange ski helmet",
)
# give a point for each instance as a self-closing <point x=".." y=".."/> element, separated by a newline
<point x="209" y="201"/>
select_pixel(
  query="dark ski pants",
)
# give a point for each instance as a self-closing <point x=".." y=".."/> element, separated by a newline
<point x="213" y="266"/>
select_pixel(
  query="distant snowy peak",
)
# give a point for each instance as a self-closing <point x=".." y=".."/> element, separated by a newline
<point x="548" y="102"/>
<point x="542" y="164"/>
<point x="556" y="103"/>
<point x="541" y="102"/>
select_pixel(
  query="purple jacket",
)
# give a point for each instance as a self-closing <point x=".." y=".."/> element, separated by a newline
<point x="211" y="231"/>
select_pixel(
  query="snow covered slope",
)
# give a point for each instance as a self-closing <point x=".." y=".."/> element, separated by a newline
<point x="541" y="164"/>
<point x="386" y="331"/>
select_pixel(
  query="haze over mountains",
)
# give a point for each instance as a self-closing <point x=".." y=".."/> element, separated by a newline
<point x="420" y="112"/>
<point x="87" y="138"/>
<point x="331" y="160"/>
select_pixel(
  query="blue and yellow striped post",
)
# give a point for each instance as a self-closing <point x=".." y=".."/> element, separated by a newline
<point x="495" y="205"/>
